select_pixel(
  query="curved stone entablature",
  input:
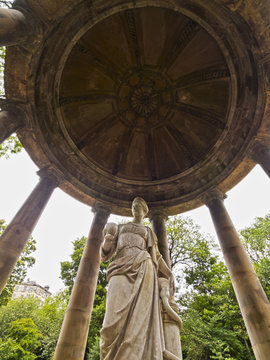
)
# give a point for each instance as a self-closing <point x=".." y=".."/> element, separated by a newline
<point x="159" y="99"/>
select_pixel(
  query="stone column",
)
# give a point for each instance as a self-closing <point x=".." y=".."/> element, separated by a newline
<point x="9" y="123"/>
<point x="261" y="155"/>
<point x="73" y="336"/>
<point x="19" y="230"/>
<point x="158" y="221"/>
<point x="13" y="27"/>
<point x="252" y="300"/>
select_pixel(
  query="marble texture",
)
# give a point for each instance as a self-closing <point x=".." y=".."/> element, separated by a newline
<point x="133" y="327"/>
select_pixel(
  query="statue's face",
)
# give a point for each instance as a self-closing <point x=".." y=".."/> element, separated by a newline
<point x="138" y="209"/>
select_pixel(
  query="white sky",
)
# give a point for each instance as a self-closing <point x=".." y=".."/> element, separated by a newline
<point x="65" y="219"/>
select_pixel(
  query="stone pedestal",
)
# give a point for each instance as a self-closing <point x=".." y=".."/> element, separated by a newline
<point x="252" y="300"/>
<point x="73" y="337"/>
<point x="20" y="228"/>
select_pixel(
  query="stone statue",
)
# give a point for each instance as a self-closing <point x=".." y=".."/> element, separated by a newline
<point x="132" y="327"/>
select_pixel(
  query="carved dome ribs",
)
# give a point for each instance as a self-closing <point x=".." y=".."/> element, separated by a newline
<point x="131" y="27"/>
<point x="122" y="153"/>
<point x="190" y="153"/>
<point x="100" y="60"/>
<point x="184" y="34"/>
<point x="93" y="98"/>
<point x="207" y="117"/>
<point x="137" y="98"/>
<point x="95" y="131"/>
<point x="208" y="74"/>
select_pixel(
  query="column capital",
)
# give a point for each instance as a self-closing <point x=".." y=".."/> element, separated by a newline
<point x="211" y="195"/>
<point x="51" y="174"/>
<point x="102" y="209"/>
<point x="157" y="214"/>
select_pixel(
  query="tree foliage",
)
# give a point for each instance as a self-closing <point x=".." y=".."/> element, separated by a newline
<point x="256" y="239"/>
<point x="11" y="145"/>
<point x="213" y="325"/>
<point x="46" y="320"/>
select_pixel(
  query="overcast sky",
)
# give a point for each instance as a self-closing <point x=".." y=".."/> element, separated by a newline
<point x="65" y="219"/>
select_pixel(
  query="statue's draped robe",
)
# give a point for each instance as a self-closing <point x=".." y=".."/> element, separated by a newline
<point x="132" y="327"/>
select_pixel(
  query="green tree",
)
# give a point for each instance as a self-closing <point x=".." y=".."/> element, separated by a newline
<point x="256" y="239"/>
<point x="23" y="339"/>
<point x="212" y="324"/>
<point x="47" y="318"/>
<point x="19" y="272"/>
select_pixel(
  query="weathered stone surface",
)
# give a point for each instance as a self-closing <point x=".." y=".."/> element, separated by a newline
<point x="155" y="98"/>
<point x="132" y="326"/>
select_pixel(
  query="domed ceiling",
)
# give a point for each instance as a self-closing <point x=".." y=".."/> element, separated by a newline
<point x="144" y="94"/>
<point x="158" y="99"/>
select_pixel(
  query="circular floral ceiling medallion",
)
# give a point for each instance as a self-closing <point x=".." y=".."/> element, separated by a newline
<point x="145" y="99"/>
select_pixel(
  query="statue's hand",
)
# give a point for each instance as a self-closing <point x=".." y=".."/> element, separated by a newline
<point x="110" y="229"/>
<point x="110" y="233"/>
<point x="108" y="237"/>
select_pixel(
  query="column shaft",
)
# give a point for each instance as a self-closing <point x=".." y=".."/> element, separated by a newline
<point x="19" y="230"/>
<point x="73" y="336"/>
<point x="9" y="124"/>
<point x="252" y="300"/>
<point x="13" y="27"/>
<point x="158" y="222"/>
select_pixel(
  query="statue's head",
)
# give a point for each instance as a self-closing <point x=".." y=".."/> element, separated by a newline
<point x="139" y="206"/>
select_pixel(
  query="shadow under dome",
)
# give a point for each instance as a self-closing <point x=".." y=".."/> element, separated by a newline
<point x="144" y="94"/>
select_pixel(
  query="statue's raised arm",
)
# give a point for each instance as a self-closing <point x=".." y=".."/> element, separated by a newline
<point x="108" y="247"/>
